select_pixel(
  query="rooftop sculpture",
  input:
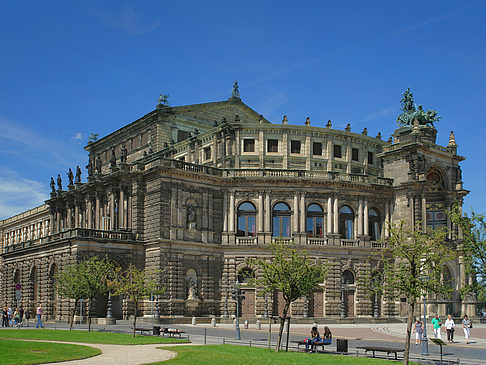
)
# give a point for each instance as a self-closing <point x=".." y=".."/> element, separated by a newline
<point x="412" y="112"/>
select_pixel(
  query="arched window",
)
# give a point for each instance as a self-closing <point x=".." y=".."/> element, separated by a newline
<point x="374" y="225"/>
<point x="281" y="220"/>
<point x="246" y="275"/>
<point x="246" y="220"/>
<point x="315" y="216"/>
<point x="447" y="278"/>
<point x="346" y="222"/>
<point x="348" y="277"/>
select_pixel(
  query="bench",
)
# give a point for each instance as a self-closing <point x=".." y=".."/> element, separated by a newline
<point x="143" y="330"/>
<point x="315" y="344"/>
<point x="388" y="350"/>
<point x="171" y="332"/>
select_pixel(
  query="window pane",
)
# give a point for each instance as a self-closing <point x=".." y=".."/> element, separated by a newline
<point x="294" y="146"/>
<point x="346" y="209"/>
<point x="355" y="154"/>
<point x="246" y="206"/>
<point x="376" y="231"/>
<point x="349" y="229"/>
<point x="370" y="158"/>
<point x="241" y="226"/>
<point x="272" y="145"/>
<point x="276" y="226"/>
<point x="314" y="208"/>
<point x="318" y="227"/>
<point x="317" y="149"/>
<point x="248" y="145"/>
<point x="251" y="226"/>
<point x="281" y="206"/>
<point x="285" y="226"/>
<point x="310" y="227"/>
<point x="337" y="151"/>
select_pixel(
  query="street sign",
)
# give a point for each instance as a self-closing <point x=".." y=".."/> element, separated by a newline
<point x="18" y="294"/>
<point x="18" y="286"/>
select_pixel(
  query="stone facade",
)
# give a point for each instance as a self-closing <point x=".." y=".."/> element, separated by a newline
<point x="197" y="190"/>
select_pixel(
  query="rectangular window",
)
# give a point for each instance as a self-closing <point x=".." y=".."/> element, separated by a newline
<point x="337" y="151"/>
<point x="272" y="145"/>
<point x="317" y="149"/>
<point x="207" y="153"/>
<point x="355" y="154"/>
<point x="294" y="146"/>
<point x="370" y="158"/>
<point x="248" y="145"/>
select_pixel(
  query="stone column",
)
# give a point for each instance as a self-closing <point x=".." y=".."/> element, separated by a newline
<point x="329" y="215"/>
<point x="225" y="211"/>
<point x="268" y="213"/>
<point x="302" y="212"/>
<point x="424" y="211"/>
<point x="97" y="212"/>
<point x="348" y="158"/>
<point x="360" y="217"/>
<point x="88" y="213"/>
<point x="69" y="215"/>
<point x="296" y="212"/>
<point x="366" y="218"/>
<point x="330" y="156"/>
<point x="236" y="149"/>
<point x="232" y="212"/>
<point x="336" y="215"/>
<point x="285" y="151"/>
<point x="215" y="149"/>
<point x="261" y="149"/>
<point x="112" y="211"/>
<point x="76" y="214"/>
<point x="308" y="152"/>
<point x="260" y="212"/>
<point x="129" y="210"/>
<point x="121" y="209"/>
<point x="387" y="219"/>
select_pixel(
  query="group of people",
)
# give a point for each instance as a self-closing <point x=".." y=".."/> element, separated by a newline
<point x="450" y="327"/>
<point x="316" y="337"/>
<point x="14" y="317"/>
<point x="11" y="318"/>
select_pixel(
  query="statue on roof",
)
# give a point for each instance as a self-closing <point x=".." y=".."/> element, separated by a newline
<point x="59" y="182"/>
<point x="53" y="186"/>
<point x="78" y="174"/>
<point x="70" y="176"/>
<point x="163" y="99"/>
<point x="235" y="93"/>
<point x="412" y="113"/>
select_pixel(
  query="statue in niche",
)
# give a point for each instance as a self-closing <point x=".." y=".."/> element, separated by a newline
<point x="78" y="174"/>
<point x="53" y="186"/>
<point x="113" y="158"/>
<point x="98" y="164"/>
<point x="70" y="176"/>
<point x="191" y="289"/>
<point x="191" y="217"/>
<point x="124" y="153"/>
<point x="59" y="182"/>
<point x="458" y="174"/>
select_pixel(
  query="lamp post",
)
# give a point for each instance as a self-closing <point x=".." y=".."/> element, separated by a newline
<point x="237" y="287"/>
<point x="425" y="340"/>
<point x="343" y="310"/>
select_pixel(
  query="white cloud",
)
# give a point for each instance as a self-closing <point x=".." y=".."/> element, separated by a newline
<point x="127" y="21"/>
<point x="380" y="113"/>
<point x="18" y="194"/>
<point x="78" y="137"/>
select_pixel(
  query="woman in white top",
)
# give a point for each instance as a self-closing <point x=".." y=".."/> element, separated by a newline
<point x="450" y="327"/>
<point x="466" y="326"/>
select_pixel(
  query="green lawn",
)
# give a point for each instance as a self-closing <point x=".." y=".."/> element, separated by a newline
<point x="85" y="337"/>
<point x="30" y="352"/>
<point x="228" y="354"/>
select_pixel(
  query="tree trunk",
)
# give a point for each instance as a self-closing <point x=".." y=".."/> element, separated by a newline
<point x="288" y="334"/>
<point x="282" y="323"/>
<point x="410" y="320"/>
<point x="90" y="302"/>
<point x="135" y="318"/>
<point x="73" y="313"/>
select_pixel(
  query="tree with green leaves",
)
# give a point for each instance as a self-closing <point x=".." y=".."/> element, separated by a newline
<point x="85" y="279"/>
<point x="293" y="273"/>
<point x="135" y="284"/>
<point x="70" y="284"/>
<point x="413" y="262"/>
<point x="473" y="230"/>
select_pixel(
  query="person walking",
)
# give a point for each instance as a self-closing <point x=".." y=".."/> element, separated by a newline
<point x="39" y="316"/>
<point x="466" y="326"/>
<point x="436" y="323"/>
<point x="419" y="329"/>
<point x="16" y="317"/>
<point x="21" y="313"/>
<point x="4" y="317"/>
<point x="10" y="314"/>
<point x="450" y="328"/>
<point x="27" y="316"/>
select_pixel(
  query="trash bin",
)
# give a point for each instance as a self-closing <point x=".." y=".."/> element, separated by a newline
<point x="156" y="331"/>
<point x="342" y="345"/>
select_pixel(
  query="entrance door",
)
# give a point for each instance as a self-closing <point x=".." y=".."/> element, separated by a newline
<point x="316" y="304"/>
<point x="403" y="307"/>
<point x="349" y="303"/>
<point x="248" y="304"/>
<point x="278" y="304"/>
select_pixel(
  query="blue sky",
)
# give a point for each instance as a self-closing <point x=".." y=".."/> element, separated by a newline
<point x="69" y="69"/>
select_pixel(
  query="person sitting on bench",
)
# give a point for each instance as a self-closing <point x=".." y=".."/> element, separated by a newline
<point x="315" y="337"/>
<point x="327" y="338"/>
